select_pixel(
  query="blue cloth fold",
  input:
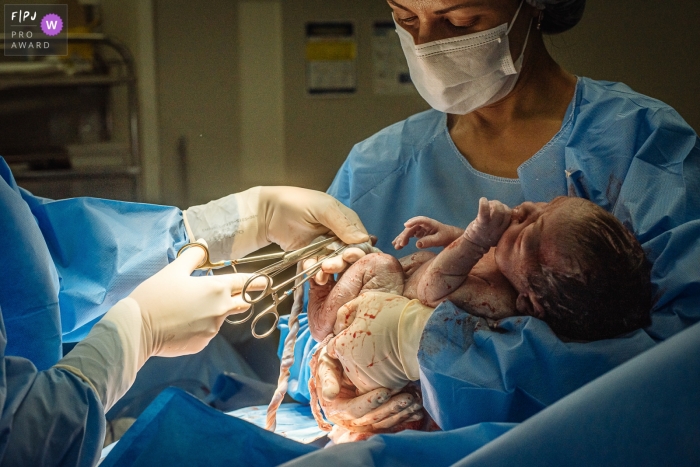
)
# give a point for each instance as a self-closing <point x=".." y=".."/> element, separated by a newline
<point x="179" y="429"/>
<point x="407" y="448"/>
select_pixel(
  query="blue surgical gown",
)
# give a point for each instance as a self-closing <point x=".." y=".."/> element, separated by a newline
<point x="631" y="154"/>
<point x="519" y="395"/>
<point x="64" y="264"/>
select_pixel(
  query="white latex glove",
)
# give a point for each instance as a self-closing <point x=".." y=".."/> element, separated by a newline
<point x="377" y="339"/>
<point x="339" y="263"/>
<point x="292" y="217"/>
<point x="168" y="315"/>
<point x="374" y="411"/>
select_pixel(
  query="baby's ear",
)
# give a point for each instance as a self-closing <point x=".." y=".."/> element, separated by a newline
<point x="528" y="304"/>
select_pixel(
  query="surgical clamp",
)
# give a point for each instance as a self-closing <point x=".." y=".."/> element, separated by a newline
<point x="286" y="260"/>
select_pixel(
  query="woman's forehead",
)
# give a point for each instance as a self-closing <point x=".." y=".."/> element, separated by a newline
<point x="442" y="5"/>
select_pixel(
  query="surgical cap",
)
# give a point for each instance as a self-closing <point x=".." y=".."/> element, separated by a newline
<point x="559" y="15"/>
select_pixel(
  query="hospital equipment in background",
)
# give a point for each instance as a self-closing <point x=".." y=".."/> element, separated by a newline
<point x="66" y="127"/>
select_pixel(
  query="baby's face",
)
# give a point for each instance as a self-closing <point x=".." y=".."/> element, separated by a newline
<point x="531" y="239"/>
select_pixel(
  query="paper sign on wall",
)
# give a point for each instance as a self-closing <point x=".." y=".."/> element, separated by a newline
<point x="390" y="70"/>
<point x="331" y="58"/>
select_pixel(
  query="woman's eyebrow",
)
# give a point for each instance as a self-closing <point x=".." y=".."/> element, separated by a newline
<point x="466" y="4"/>
<point x="393" y="3"/>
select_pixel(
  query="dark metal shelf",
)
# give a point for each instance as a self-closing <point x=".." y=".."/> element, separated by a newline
<point x="124" y="75"/>
<point x="107" y="171"/>
<point x="63" y="81"/>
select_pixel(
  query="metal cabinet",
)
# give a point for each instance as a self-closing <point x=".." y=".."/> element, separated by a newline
<point x="57" y="124"/>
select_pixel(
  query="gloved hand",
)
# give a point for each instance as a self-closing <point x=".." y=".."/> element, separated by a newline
<point x="168" y="315"/>
<point x="292" y="217"/>
<point x="377" y="339"/>
<point x="491" y="221"/>
<point x="340" y="263"/>
<point x="379" y="409"/>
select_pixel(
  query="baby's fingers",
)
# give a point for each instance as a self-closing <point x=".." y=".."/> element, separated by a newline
<point x="402" y="239"/>
<point x="418" y="220"/>
<point x="412" y="412"/>
<point x="432" y="240"/>
<point x="385" y="412"/>
<point x="484" y="213"/>
<point x="500" y="214"/>
<point x="345" y="316"/>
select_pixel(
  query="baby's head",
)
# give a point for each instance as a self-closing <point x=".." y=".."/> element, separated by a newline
<point x="575" y="266"/>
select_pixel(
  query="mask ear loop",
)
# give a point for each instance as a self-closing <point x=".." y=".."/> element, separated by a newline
<point x="515" y="17"/>
<point x="539" y="20"/>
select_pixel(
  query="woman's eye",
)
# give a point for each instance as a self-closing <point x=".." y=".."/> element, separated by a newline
<point x="463" y="23"/>
<point x="409" y="20"/>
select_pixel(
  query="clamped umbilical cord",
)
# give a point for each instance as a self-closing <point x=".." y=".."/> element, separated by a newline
<point x="287" y="359"/>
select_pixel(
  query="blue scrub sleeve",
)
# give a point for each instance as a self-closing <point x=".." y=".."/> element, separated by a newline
<point x="644" y="413"/>
<point x="654" y="194"/>
<point x="48" y="418"/>
<point x="471" y="373"/>
<point x="102" y="250"/>
<point x="68" y="262"/>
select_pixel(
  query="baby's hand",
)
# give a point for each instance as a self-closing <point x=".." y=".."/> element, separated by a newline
<point x="492" y="220"/>
<point x="429" y="232"/>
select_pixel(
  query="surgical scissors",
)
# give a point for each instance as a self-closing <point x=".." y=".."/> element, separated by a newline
<point x="286" y="259"/>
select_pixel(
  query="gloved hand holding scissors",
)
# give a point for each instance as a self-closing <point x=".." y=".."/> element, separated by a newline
<point x="168" y="315"/>
<point x="174" y="314"/>
<point x="292" y="217"/>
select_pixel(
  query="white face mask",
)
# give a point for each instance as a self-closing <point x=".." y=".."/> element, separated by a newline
<point x="461" y="74"/>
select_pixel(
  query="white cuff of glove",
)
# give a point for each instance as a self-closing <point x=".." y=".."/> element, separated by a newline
<point x="112" y="353"/>
<point x="229" y="225"/>
<point x="412" y="322"/>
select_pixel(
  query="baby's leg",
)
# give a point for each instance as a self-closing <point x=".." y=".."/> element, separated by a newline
<point x="377" y="271"/>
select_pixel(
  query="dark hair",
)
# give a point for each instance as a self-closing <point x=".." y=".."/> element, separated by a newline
<point x="562" y="16"/>
<point x="611" y="294"/>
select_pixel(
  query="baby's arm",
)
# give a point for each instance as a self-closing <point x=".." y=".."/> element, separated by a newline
<point x="429" y="233"/>
<point x="450" y="268"/>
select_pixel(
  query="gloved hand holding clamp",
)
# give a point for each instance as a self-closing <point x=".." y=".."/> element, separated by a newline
<point x="286" y="260"/>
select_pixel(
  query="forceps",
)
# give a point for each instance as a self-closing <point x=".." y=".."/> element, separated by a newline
<point x="286" y="259"/>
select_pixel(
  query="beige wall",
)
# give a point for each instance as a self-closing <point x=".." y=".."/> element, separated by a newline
<point x="131" y="21"/>
<point x="649" y="45"/>
<point x="197" y="97"/>
<point x="321" y="131"/>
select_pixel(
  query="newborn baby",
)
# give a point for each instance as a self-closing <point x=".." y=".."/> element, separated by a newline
<point x="568" y="262"/>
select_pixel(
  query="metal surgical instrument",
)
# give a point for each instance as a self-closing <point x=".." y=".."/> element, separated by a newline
<point x="277" y="292"/>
